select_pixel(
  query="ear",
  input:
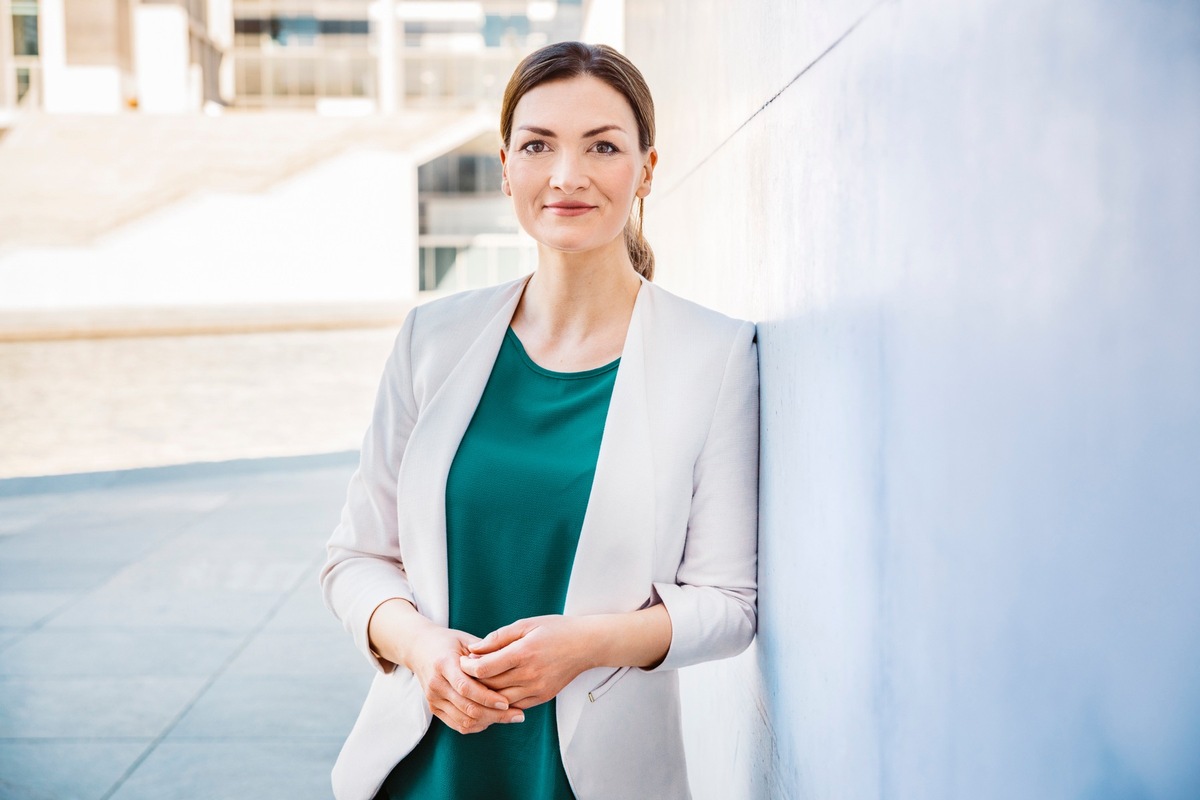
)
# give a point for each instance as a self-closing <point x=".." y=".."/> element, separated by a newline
<point x="647" y="173"/>
<point x="504" y="187"/>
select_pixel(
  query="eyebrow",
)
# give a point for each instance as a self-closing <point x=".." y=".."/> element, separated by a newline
<point x="586" y="134"/>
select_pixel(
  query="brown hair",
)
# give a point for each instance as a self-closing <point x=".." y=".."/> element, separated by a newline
<point x="564" y="60"/>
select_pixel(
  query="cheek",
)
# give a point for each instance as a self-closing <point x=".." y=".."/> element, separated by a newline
<point x="623" y="179"/>
<point x="522" y="184"/>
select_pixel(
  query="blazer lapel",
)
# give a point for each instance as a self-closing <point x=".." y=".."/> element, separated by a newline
<point x="421" y="492"/>
<point x="612" y="568"/>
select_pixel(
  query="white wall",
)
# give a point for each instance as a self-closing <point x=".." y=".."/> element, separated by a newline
<point x="604" y="23"/>
<point x="342" y="231"/>
<point x="165" y="84"/>
<point x="969" y="234"/>
<point x="71" y="89"/>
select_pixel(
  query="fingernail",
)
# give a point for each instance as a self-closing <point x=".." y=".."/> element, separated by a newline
<point x="501" y="706"/>
<point x="518" y="718"/>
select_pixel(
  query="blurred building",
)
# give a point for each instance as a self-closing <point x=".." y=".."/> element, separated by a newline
<point x="333" y="56"/>
<point x="342" y="56"/>
<point x="105" y="56"/>
<point x="416" y="83"/>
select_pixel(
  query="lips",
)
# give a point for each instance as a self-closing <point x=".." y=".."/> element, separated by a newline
<point x="568" y="208"/>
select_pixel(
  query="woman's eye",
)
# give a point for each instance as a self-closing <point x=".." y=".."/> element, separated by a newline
<point x="536" y="146"/>
<point x="605" y="148"/>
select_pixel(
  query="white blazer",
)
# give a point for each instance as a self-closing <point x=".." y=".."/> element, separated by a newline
<point x="672" y="518"/>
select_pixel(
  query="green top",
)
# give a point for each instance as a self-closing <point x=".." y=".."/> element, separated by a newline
<point x="515" y="499"/>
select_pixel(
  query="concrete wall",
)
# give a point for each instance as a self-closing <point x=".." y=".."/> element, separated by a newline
<point x="969" y="231"/>
<point x="162" y="47"/>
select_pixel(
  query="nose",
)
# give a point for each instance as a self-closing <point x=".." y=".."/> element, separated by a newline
<point x="569" y="173"/>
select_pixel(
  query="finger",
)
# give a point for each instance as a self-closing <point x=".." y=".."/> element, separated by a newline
<point x="492" y="665"/>
<point x="480" y="719"/>
<point x="520" y="697"/>
<point x="470" y="695"/>
<point x="457" y="720"/>
<point x="501" y="637"/>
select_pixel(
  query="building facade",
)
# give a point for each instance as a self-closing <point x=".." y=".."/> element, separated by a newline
<point x="109" y="56"/>
<point x="431" y="64"/>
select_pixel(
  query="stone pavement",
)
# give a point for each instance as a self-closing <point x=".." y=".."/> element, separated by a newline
<point x="102" y="404"/>
<point x="162" y="633"/>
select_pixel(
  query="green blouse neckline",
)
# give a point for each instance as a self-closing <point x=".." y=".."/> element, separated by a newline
<point x="511" y="335"/>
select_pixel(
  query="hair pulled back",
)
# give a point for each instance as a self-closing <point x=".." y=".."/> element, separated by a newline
<point x="563" y="60"/>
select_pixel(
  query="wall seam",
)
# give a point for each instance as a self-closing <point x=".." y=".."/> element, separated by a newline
<point x="845" y="34"/>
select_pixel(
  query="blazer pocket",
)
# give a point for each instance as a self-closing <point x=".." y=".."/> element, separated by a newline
<point x="609" y="681"/>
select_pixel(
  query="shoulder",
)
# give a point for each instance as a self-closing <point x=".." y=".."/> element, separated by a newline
<point x="462" y="313"/>
<point x="694" y="354"/>
<point x="701" y="375"/>
<point x="699" y="328"/>
<point x="438" y="333"/>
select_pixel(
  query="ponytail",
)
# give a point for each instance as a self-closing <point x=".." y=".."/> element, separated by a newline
<point x="640" y="254"/>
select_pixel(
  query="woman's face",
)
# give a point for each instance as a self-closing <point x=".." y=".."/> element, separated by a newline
<point x="573" y="166"/>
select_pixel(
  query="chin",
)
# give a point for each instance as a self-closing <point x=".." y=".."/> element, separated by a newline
<point x="573" y="242"/>
<point x="568" y="244"/>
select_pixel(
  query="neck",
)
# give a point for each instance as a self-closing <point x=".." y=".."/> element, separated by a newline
<point x="574" y="294"/>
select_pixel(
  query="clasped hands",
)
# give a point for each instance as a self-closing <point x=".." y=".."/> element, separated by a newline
<point x="473" y="683"/>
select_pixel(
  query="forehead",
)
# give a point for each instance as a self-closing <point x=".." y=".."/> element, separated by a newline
<point x="574" y="104"/>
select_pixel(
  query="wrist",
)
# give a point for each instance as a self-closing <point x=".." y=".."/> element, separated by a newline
<point x="390" y="628"/>
<point x="603" y="635"/>
<point x="632" y="639"/>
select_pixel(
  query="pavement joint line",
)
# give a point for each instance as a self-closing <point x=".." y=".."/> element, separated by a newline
<point x="221" y="670"/>
<point x="43" y="621"/>
<point x="74" y="482"/>
<point x="102" y="739"/>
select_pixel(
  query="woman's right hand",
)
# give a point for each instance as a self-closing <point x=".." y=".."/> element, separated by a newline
<point x="402" y="635"/>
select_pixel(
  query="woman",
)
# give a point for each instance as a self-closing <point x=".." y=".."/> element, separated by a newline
<point x="556" y="506"/>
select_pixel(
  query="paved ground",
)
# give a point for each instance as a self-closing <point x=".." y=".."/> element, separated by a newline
<point x="115" y="403"/>
<point x="163" y="634"/>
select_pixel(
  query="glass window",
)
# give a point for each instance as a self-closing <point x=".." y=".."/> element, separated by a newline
<point x="466" y="174"/>
<point x="446" y="258"/>
<point x="250" y="27"/>
<point x="294" y="30"/>
<point x="345" y="27"/>
<point x="436" y="264"/>
<point x="22" y="82"/>
<point x="505" y="31"/>
<point x="489" y="174"/>
<point x="362" y="78"/>
<point x="25" y="34"/>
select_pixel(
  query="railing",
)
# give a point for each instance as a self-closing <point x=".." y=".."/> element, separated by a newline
<point x="451" y="263"/>
<point x="270" y="76"/>
<point x="462" y="79"/>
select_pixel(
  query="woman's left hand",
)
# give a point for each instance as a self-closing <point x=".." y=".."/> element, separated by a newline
<point x="531" y="660"/>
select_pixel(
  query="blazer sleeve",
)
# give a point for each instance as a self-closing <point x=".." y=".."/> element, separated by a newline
<point x="364" y="566"/>
<point x="712" y="603"/>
